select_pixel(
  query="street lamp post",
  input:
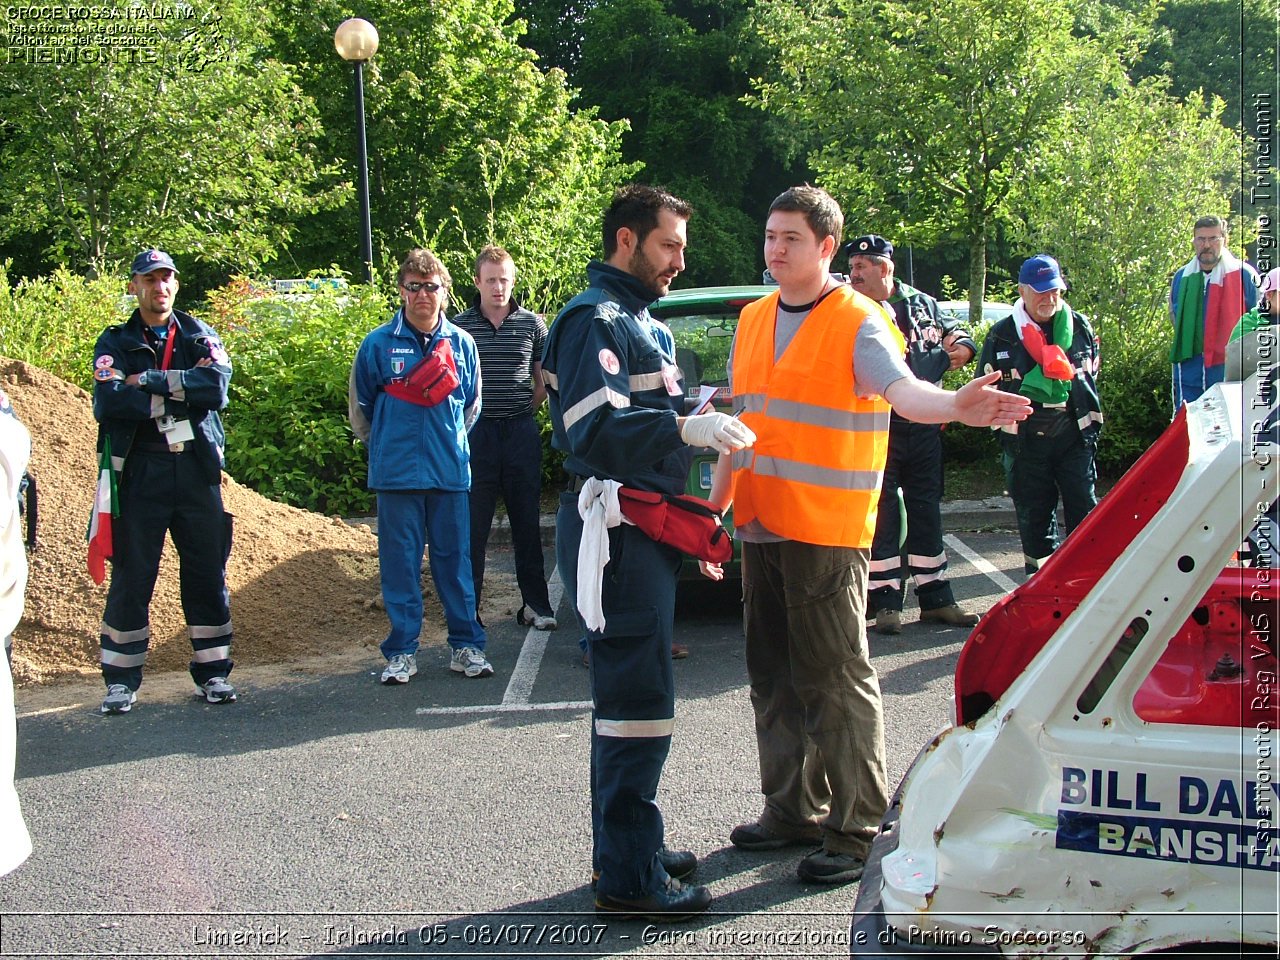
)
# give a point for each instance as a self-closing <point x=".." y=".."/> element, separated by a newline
<point x="356" y="41"/>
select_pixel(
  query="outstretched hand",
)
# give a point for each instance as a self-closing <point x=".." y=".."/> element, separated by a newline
<point x="980" y="404"/>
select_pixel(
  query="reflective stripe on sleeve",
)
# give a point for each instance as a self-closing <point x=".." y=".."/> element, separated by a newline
<point x="157" y="406"/>
<point x="592" y="402"/>
<point x="1093" y="416"/>
<point x="634" y="729"/>
<point x="645" y="381"/>
<point x="173" y="379"/>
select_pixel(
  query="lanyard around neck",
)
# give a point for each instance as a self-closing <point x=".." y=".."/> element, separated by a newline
<point x="169" y="337"/>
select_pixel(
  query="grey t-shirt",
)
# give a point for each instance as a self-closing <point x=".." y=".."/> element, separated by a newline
<point x="877" y="363"/>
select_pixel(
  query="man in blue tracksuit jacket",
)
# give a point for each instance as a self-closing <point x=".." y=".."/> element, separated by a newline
<point x="419" y="464"/>
<point x="617" y="399"/>
<point x="160" y="379"/>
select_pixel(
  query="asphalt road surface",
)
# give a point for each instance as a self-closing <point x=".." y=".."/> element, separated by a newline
<point x="326" y="815"/>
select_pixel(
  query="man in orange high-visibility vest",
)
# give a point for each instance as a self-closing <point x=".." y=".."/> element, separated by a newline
<point x="815" y="368"/>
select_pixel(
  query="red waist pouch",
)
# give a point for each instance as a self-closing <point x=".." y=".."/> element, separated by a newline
<point x="432" y="378"/>
<point x="690" y="524"/>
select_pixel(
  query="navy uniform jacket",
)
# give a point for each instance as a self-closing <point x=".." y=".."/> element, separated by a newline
<point x="614" y="388"/>
<point x="924" y="329"/>
<point x="184" y="391"/>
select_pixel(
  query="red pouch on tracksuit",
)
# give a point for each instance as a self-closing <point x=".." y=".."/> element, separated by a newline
<point x="690" y="524"/>
<point x="432" y="378"/>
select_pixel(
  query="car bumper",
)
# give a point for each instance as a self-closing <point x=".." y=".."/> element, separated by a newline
<point x="870" y="933"/>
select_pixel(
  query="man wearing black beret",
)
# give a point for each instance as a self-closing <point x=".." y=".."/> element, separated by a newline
<point x="935" y="344"/>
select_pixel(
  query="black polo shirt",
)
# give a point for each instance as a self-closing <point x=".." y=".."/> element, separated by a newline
<point x="507" y="355"/>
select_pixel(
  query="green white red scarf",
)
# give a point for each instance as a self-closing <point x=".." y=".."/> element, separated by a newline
<point x="1049" y="382"/>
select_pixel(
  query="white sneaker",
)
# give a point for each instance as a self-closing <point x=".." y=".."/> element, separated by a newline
<point x="471" y="663"/>
<point x="400" y="669"/>
<point x="217" y="690"/>
<point x="529" y="617"/>
<point x="120" y="699"/>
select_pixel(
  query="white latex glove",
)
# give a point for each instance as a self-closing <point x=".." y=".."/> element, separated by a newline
<point x="719" y="431"/>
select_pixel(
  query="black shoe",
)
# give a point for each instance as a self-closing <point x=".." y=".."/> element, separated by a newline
<point x="678" y="863"/>
<point x="756" y="836"/>
<point x="822" y="866"/>
<point x="676" y="901"/>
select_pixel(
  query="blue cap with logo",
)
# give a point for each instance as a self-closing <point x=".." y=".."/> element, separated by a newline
<point x="869" y="245"/>
<point x="152" y="259"/>
<point x="1041" y="273"/>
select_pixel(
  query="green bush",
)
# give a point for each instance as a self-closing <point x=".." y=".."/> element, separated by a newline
<point x="1134" y="385"/>
<point x="287" y="431"/>
<point x="53" y="322"/>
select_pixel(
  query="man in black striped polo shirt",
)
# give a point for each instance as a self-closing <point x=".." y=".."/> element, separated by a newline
<point x="506" y="450"/>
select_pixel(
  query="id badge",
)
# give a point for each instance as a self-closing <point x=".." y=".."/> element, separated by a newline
<point x="671" y="379"/>
<point x="176" y="432"/>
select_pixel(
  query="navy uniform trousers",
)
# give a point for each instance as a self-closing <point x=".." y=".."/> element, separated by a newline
<point x="171" y="492"/>
<point x="914" y="464"/>
<point x="633" y="689"/>
<point x="1040" y="468"/>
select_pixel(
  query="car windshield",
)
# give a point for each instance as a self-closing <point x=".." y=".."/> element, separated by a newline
<point x="702" y="346"/>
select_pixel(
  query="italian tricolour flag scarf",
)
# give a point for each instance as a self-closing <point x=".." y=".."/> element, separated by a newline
<point x="106" y="504"/>
<point x="1204" y="315"/>
<point x="1049" y="381"/>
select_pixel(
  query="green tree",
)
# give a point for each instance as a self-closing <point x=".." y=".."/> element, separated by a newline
<point x="1222" y="48"/>
<point x="1115" y="206"/>
<point x="676" y="71"/>
<point x="191" y="138"/>
<point x="921" y="117"/>
<point x="469" y="141"/>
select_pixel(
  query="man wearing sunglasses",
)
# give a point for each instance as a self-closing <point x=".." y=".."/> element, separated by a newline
<point x="414" y="395"/>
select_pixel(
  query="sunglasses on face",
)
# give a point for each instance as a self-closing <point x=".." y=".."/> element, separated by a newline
<point x="413" y="286"/>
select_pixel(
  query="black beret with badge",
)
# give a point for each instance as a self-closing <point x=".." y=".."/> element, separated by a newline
<point x="869" y="245"/>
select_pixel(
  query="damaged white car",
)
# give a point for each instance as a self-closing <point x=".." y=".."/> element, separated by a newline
<point x="1109" y="788"/>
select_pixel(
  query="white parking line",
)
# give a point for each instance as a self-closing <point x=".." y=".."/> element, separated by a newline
<point x="520" y="686"/>
<point x="979" y="563"/>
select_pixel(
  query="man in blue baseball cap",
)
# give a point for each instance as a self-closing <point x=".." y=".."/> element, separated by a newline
<point x="160" y="379"/>
<point x="1048" y="353"/>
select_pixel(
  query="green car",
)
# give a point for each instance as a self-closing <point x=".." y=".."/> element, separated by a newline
<point x="703" y="320"/>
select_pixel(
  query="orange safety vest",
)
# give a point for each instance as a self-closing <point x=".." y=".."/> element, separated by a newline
<point x="814" y="473"/>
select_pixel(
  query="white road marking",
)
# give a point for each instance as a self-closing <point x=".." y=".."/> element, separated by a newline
<point x="979" y="563"/>
<point x="520" y="686"/>
<point x="506" y="707"/>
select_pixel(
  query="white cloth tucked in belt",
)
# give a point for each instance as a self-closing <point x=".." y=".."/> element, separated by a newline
<point x="598" y="507"/>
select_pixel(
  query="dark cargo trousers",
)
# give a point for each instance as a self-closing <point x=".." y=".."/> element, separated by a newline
<point x="167" y="492"/>
<point x="914" y="464"/>
<point x="1040" y="468"/>
<point x="633" y="697"/>
<point x="815" y="694"/>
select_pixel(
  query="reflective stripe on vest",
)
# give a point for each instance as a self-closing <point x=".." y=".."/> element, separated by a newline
<point x="814" y="473"/>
